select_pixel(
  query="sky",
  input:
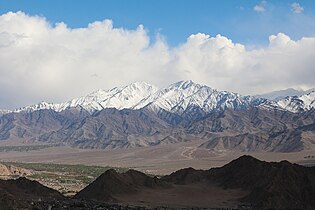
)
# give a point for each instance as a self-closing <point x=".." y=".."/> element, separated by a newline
<point x="57" y="50"/>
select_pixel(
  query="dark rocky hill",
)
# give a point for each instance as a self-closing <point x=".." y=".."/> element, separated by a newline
<point x="276" y="185"/>
<point x="22" y="193"/>
<point x="257" y="184"/>
<point x="111" y="184"/>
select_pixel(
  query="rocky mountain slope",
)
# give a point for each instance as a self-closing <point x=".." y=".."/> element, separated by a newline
<point x="257" y="130"/>
<point x="251" y="129"/>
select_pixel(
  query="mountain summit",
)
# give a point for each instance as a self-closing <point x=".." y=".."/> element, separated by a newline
<point x="124" y="97"/>
<point x="176" y="98"/>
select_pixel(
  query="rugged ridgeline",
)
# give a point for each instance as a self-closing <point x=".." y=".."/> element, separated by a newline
<point x="142" y="115"/>
<point x="244" y="183"/>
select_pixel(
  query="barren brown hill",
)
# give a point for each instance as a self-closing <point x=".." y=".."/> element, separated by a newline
<point x="21" y="193"/>
<point x="112" y="184"/>
<point x="245" y="181"/>
<point x="278" y="185"/>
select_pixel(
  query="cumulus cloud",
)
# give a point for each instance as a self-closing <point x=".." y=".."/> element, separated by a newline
<point x="39" y="61"/>
<point x="219" y="62"/>
<point x="296" y="8"/>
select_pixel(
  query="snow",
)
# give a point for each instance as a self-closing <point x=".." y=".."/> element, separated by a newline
<point x="298" y="103"/>
<point x="119" y="97"/>
<point x="176" y="98"/>
<point x="182" y="95"/>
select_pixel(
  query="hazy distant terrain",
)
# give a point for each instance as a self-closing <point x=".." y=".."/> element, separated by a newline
<point x="282" y="94"/>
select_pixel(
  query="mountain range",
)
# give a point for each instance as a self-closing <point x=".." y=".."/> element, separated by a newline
<point x="141" y="114"/>
<point x="176" y="98"/>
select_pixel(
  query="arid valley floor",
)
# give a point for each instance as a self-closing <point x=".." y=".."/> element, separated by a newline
<point x="158" y="160"/>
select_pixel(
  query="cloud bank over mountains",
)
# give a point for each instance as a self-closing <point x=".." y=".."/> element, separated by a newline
<point x="40" y="61"/>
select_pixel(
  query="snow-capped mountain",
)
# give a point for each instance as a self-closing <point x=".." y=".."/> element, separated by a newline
<point x="39" y="106"/>
<point x="185" y="95"/>
<point x="144" y="115"/>
<point x="177" y="98"/>
<point x="298" y="103"/>
<point x="118" y="97"/>
<point x="4" y="111"/>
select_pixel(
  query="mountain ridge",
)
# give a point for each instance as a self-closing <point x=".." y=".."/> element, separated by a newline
<point x="175" y="98"/>
<point x="184" y="111"/>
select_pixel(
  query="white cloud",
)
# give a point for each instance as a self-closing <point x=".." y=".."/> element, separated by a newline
<point x="221" y="63"/>
<point x="260" y="7"/>
<point x="55" y="63"/>
<point x="296" y="8"/>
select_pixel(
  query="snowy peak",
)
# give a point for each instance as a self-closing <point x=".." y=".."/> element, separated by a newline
<point x="183" y="85"/>
<point x="124" y="97"/>
<point x="298" y="103"/>
<point x="186" y="95"/>
<point x="4" y="111"/>
<point x="128" y="96"/>
<point x="118" y="97"/>
<point x="178" y="98"/>
<point x="168" y="97"/>
<point x="39" y="106"/>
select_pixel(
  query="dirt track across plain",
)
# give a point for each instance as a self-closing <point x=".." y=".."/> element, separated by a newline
<point x="162" y="159"/>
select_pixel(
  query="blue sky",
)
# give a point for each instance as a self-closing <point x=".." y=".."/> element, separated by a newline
<point x="177" y="19"/>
